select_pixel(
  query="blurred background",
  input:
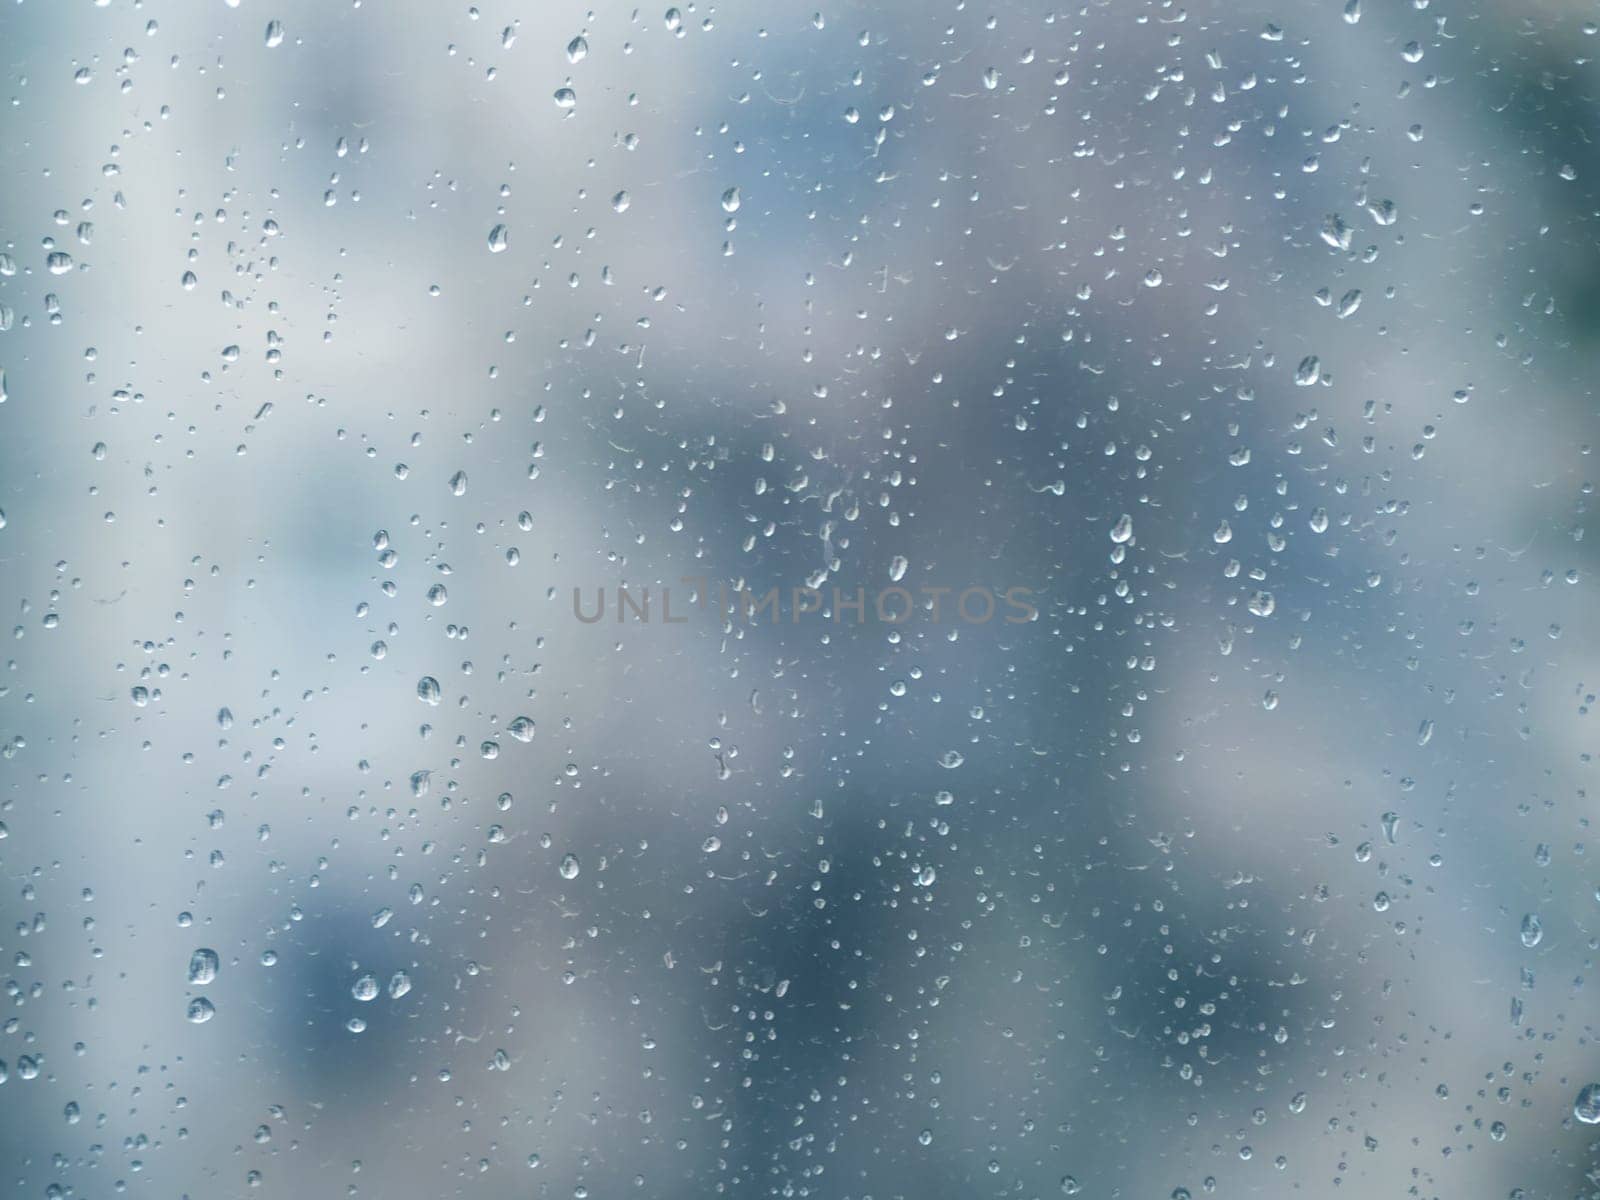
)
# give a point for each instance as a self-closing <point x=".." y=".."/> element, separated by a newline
<point x="342" y="341"/>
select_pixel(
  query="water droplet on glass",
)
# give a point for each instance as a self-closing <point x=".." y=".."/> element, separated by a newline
<point x="1532" y="931"/>
<point x="202" y="967"/>
<point x="1587" y="1106"/>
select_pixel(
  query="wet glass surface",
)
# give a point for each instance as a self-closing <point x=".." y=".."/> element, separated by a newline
<point x="895" y="600"/>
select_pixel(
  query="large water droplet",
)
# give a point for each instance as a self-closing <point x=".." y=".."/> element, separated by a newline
<point x="202" y="967"/>
<point x="1587" y="1106"/>
<point x="1532" y="931"/>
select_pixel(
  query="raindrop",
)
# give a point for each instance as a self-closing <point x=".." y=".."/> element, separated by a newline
<point x="1587" y="1106"/>
<point x="202" y="967"/>
<point x="1532" y="931"/>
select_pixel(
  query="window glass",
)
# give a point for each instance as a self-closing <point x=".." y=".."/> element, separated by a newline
<point x="874" y="600"/>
